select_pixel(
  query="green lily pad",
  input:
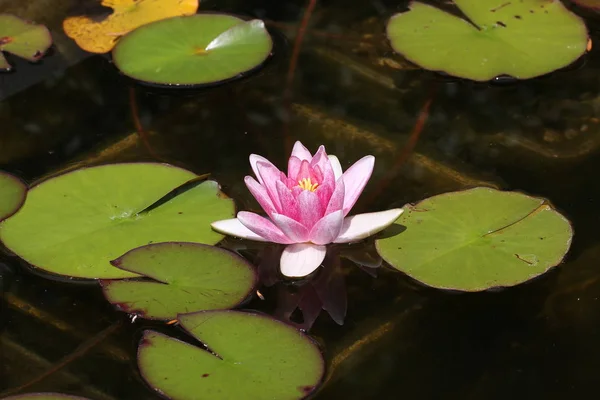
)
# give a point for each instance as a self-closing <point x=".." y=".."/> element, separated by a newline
<point x="193" y="50"/>
<point x="255" y="357"/>
<point x="187" y="277"/>
<point x="23" y="39"/>
<point x="477" y="239"/>
<point x="523" y="39"/>
<point x="76" y="223"/>
<point x="12" y="195"/>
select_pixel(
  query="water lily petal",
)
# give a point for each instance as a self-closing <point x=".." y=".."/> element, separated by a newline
<point x="289" y="204"/>
<point x="254" y="159"/>
<point x="327" y="229"/>
<point x="336" y="166"/>
<point x="260" y="194"/>
<point x="293" y="167"/>
<point x="324" y="193"/>
<point x="310" y="208"/>
<point x="263" y="227"/>
<point x="270" y="175"/>
<point x="336" y="201"/>
<point x="291" y="228"/>
<point x="233" y="227"/>
<point x="301" y="152"/>
<point x="300" y="259"/>
<point x="355" y="179"/>
<point x="321" y="162"/>
<point x="361" y="226"/>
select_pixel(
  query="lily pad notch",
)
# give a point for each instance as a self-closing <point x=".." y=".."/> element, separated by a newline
<point x="180" y="278"/>
<point x="23" y="39"/>
<point x="522" y="39"/>
<point x="478" y="239"/>
<point x="266" y="358"/>
<point x="193" y="51"/>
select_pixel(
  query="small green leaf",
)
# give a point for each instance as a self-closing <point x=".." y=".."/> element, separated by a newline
<point x="193" y="50"/>
<point x="187" y="277"/>
<point x="256" y="357"/>
<point x="44" y="396"/>
<point x="523" y="39"/>
<point x="22" y="39"/>
<point x="12" y="195"/>
<point x="75" y="224"/>
<point x="478" y="239"/>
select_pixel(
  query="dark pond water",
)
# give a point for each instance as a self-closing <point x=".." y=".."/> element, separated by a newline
<point x="399" y="340"/>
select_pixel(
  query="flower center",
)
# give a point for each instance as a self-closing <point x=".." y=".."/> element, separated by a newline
<point x="307" y="184"/>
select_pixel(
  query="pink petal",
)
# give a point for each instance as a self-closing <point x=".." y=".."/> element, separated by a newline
<point x="233" y="227"/>
<point x="260" y="194"/>
<point x="324" y="194"/>
<point x="263" y="227"/>
<point x="306" y="173"/>
<point x="336" y="202"/>
<point x="321" y="161"/>
<point x="327" y="229"/>
<point x="291" y="228"/>
<point x="289" y="204"/>
<point x="355" y="179"/>
<point x="336" y="166"/>
<point x="301" y="259"/>
<point x="310" y="208"/>
<point x="254" y="159"/>
<point x="293" y="167"/>
<point x="301" y="152"/>
<point x="361" y="226"/>
<point x="270" y="176"/>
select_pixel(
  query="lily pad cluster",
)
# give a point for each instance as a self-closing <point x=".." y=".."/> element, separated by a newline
<point x="23" y="39"/>
<point x="478" y="239"/>
<point x="522" y="39"/>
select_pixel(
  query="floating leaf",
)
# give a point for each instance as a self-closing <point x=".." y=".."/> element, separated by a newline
<point x="523" y="39"/>
<point x="44" y="396"/>
<point x="478" y="239"/>
<point x="256" y="358"/>
<point x="75" y="224"/>
<point x="193" y="50"/>
<point x="12" y="195"/>
<point x="101" y="36"/>
<point x="187" y="277"/>
<point x="23" y="39"/>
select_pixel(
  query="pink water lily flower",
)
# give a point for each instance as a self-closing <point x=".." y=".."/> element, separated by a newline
<point x="307" y="208"/>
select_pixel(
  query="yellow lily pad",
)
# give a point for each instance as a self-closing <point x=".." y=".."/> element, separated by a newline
<point x="101" y="36"/>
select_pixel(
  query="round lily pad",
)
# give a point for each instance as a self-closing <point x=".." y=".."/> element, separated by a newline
<point x="185" y="277"/>
<point x="193" y="50"/>
<point x="12" y="195"/>
<point x="75" y="224"/>
<point x="477" y="239"/>
<point x="23" y="39"/>
<point x="44" y="396"/>
<point x="251" y="356"/>
<point x="523" y="39"/>
<point x="100" y="35"/>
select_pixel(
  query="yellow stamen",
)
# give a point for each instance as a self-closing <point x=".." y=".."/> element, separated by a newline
<point x="307" y="184"/>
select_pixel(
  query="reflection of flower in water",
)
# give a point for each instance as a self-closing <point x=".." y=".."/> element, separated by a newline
<point x="325" y="289"/>
<point x="307" y="208"/>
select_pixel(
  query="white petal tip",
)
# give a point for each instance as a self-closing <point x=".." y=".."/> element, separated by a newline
<point x="233" y="227"/>
<point x="360" y="226"/>
<point x="301" y="259"/>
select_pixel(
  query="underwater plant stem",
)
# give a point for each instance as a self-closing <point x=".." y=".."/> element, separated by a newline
<point x="407" y="150"/>
<point x="143" y="135"/>
<point x="81" y="350"/>
<point x="288" y="91"/>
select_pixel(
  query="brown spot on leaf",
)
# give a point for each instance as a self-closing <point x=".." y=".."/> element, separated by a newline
<point x="205" y="375"/>
<point x="5" y="40"/>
